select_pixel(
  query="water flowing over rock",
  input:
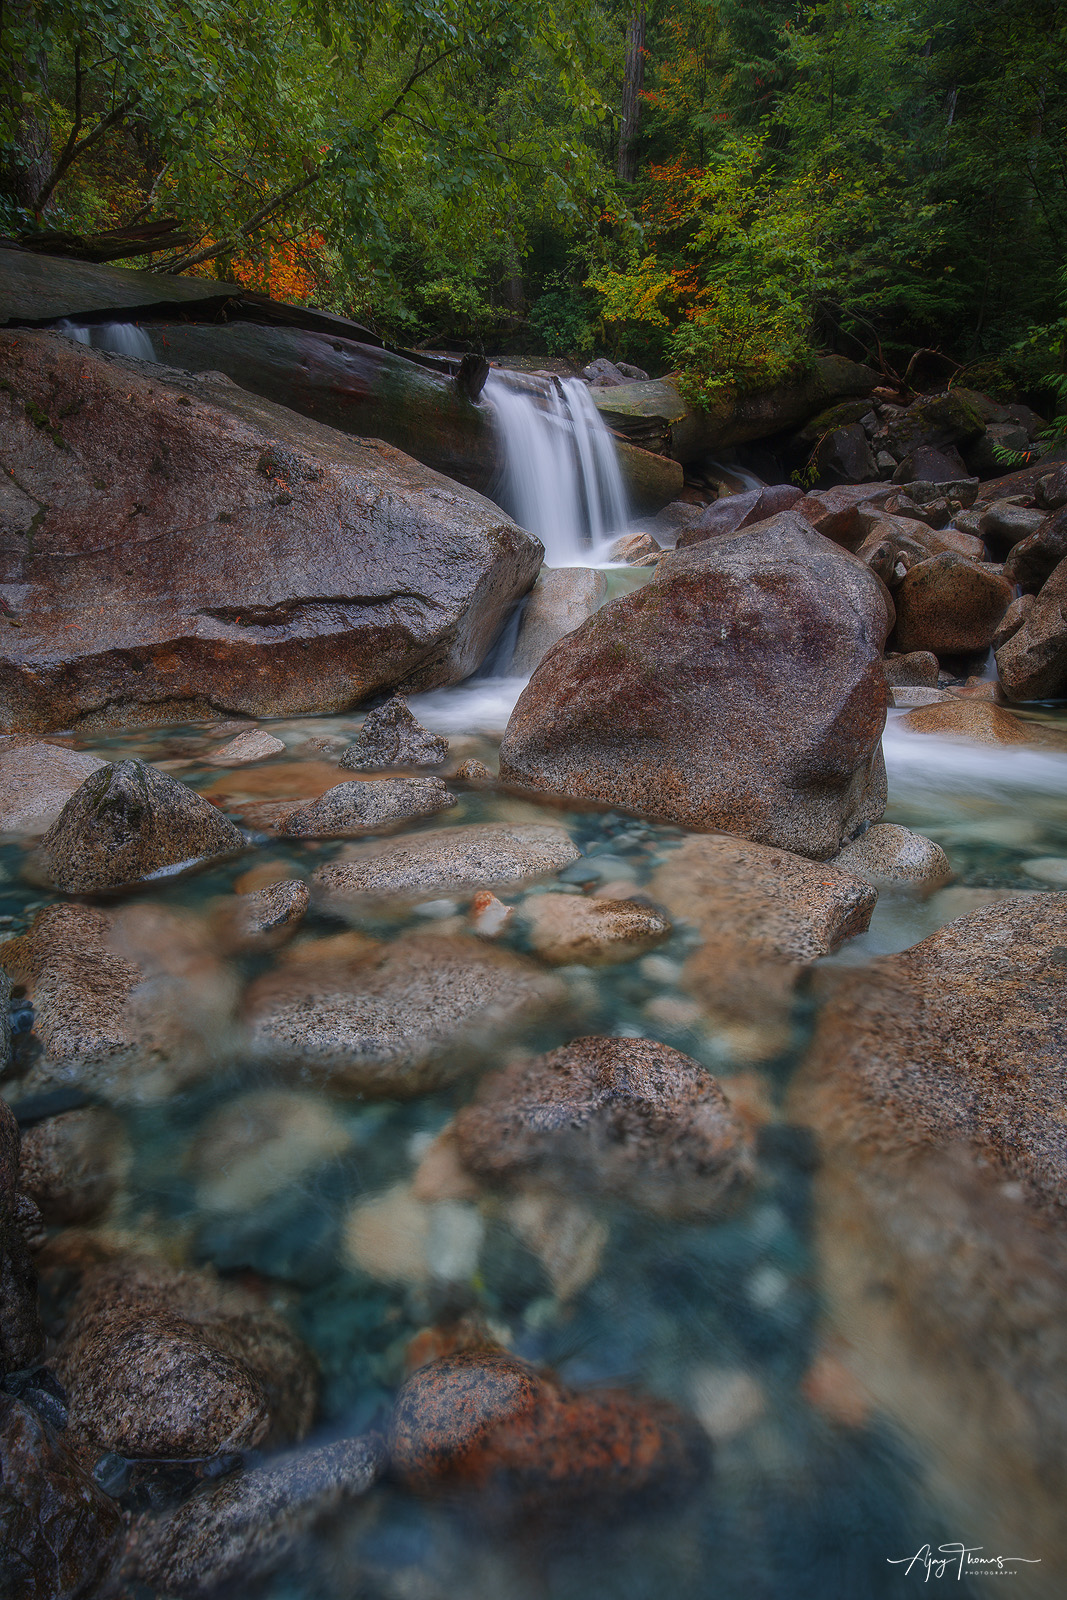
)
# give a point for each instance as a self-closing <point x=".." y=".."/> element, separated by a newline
<point x="397" y="1019"/>
<point x="483" y="1420"/>
<point x="628" y="1117"/>
<point x="126" y="822"/>
<point x="741" y="690"/>
<point x="244" y="559"/>
<point x="891" y="857"/>
<point x="560" y="601"/>
<point x="60" y="1532"/>
<point x="159" y="1362"/>
<point x="392" y="737"/>
<point x="251" y="1523"/>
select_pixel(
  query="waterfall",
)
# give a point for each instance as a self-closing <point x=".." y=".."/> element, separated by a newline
<point x="561" y="477"/>
<point x="124" y="338"/>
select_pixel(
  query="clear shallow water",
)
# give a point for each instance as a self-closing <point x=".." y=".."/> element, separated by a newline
<point x="815" y="1486"/>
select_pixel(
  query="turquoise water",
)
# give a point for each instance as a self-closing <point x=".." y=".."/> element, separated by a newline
<point x="816" y="1486"/>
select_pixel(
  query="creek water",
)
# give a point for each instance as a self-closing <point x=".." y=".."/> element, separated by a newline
<point x="817" y="1485"/>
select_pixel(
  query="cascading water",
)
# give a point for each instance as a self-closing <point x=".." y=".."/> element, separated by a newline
<point x="561" y="477"/>
<point x="123" y="338"/>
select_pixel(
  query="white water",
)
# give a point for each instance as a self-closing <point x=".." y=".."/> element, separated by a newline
<point x="123" y="338"/>
<point x="561" y="477"/>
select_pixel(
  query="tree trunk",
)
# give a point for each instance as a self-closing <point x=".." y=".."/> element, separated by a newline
<point x="29" y="162"/>
<point x="631" y="94"/>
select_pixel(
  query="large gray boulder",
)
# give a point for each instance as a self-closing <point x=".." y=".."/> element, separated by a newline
<point x="560" y="601"/>
<point x="177" y="547"/>
<point x="741" y="691"/>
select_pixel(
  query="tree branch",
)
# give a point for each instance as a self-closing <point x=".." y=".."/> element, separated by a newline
<point x="73" y="149"/>
<point x="182" y="263"/>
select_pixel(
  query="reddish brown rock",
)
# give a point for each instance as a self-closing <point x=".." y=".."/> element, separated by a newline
<point x="835" y="513"/>
<point x="735" y="511"/>
<point x="1033" y="560"/>
<point x="59" y="1534"/>
<point x="1013" y="619"/>
<point x="567" y="928"/>
<point x="629" y="1117"/>
<point x="741" y="690"/>
<point x="983" y="722"/>
<point x="484" y="1421"/>
<point x="70" y="1165"/>
<point x="950" y="605"/>
<point x="186" y="548"/>
<point x="159" y="1362"/>
<point x="1033" y="663"/>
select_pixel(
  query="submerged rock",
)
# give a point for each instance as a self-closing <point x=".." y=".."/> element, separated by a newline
<point x="628" y="1117"/>
<point x="72" y="1164"/>
<point x="255" y="744"/>
<point x="274" y="912"/>
<point x="304" y="570"/>
<point x="365" y="807"/>
<point x="484" y="1421"/>
<point x="61" y="1534"/>
<point x="252" y="1523"/>
<point x="129" y="821"/>
<point x="741" y="690"/>
<point x="21" y="1334"/>
<point x="396" y="1019"/>
<point x="36" y="781"/>
<point x="261" y="1142"/>
<point x="480" y="855"/>
<point x="128" y="1005"/>
<point x="567" y="928"/>
<point x="983" y="722"/>
<point x="392" y="737"/>
<point x="560" y="601"/>
<point x="891" y="857"/>
<point x="159" y="1362"/>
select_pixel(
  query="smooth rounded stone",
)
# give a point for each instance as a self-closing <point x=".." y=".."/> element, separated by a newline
<point x="160" y="1362"/>
<point x="569" y="928"/>
<point x="636" y="549"/>
<point x="392" y="737"/>
<point x="982" y="722"/>
<point x="567" y="1237"/>
<point x="1033" y="663"/>
<point x="484" y="1421"/>
<point x="128" y="1005"/>
<point x="764" y="915"/>
<point x="306" y="571"/>
<point x="261" y="1144"/>
<point x="934" y="1084"/>
<point x="1013" y="619"/>
<point x="363" y="806"/>
<point x="397" y="1237"/>
<point x="61" y="1534"/>
<point x="71" y="1165"/>
<point x="251" y="1523"/>
<point x="37" y="780"/>
<point x="703" y="698"/>
<point x="255" y="744"/>
<point x="629" y="1117"/>
<point x="950" y="606"/>
<point x="732" y="512"/>
<point x="126" y="822"/>
<point x="1048" y="869"/>
<point x="1033" y="560"/>
<point x="478" y="855"/>
<point x="21" y="1333"/>
<point x="560" y="601"/>
<point x="275" y="911"/>
<point x="473" y="771"/>
<point x="918" y="670"/>
<point x="890" y="857"/>
<point x="396" y="1019"/>
<point x="837" y="513"/>
<point x="1004" y="524"/>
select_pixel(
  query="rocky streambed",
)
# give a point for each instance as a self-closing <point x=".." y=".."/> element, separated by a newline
<point x="590" y="1131"/>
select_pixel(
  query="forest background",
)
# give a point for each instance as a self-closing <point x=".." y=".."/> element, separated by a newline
<point x="719" y="186"/>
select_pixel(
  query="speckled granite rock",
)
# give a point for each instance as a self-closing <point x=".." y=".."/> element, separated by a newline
<point x="950" y="605"/>
<point x="59" y="1533"/>
<point x="254" y="744"/>
<point x="71" y="1164"/>
<point x="485" y="1421"/>
<point x="983" y="722"/>
<point x="159" y="1362"/>
<point x="568" y="928"/>
<point x="630" y="1117"/>
<point x="365" y="807"/>
<point x="741" y="690"/>
<point x="480" y="855"/>
<point x="396" y="1019"/>
<point x="251" y="1523"/>
<point x="126" y="822"/>
<point x="21" y="1334"/>
<point x="392" y="737"/>
<point x="888" y="856"/>
<point x="275" y="911"/>
<point x="37" y="780"/>
<point x="1033" y="662"/>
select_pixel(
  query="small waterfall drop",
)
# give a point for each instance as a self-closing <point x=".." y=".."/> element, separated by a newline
<point x="123" y="338"/>
<point x="561" y="477"/>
